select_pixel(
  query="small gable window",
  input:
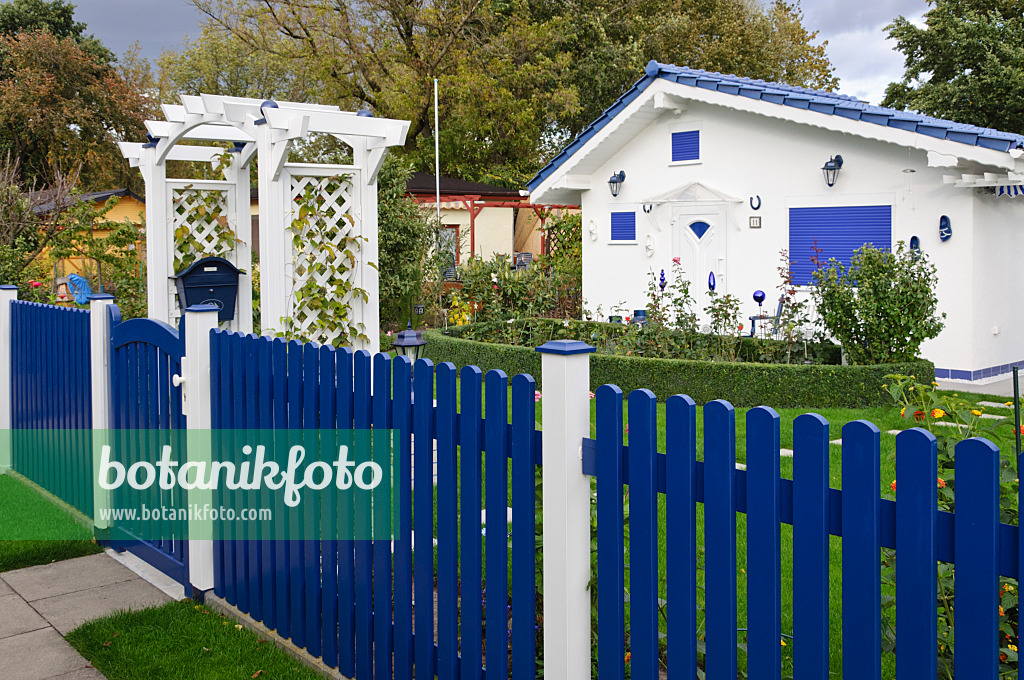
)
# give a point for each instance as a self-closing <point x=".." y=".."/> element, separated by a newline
<point x="686" y="146"/>
<point x="624" y="226"/>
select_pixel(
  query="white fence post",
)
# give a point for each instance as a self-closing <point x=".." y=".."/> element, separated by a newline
<point x="565" y="370"/>
<point x="7" y="295"/>
<point x="200" y="320"/>
<point x="99" y="365"/>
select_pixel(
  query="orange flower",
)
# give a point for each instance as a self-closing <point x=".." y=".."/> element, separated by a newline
<point x="629" y="655"/>
<point x="942" y="483"/>
<point x="938" y="413"/>
<point x="893" y="485"/>
<point x="918" y="415"/>
<point x="1002" y="657"/>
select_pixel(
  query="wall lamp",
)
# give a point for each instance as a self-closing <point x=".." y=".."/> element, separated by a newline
<point x="831" y="169"/>
<point x="615" y="182"/>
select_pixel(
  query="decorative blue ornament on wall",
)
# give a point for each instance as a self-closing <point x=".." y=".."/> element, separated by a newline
<point x="662" y="281"/>
<point x="915" y="245"/>
<point x="711" y="281"/>
<point x="755" y="207"/>
<point x="945" y="229"/>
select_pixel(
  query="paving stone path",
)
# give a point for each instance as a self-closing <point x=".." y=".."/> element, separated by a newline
<point x="38" y="605"/>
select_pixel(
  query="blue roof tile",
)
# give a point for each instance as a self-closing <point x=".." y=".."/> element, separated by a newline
<point x="827" y="103"/>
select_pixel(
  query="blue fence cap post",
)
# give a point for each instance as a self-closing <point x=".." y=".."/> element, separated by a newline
<point x="101" y="296"/>
<point x="8" y="286"/>
<point x="566" y="347"/>
<point x="202" y="308"/>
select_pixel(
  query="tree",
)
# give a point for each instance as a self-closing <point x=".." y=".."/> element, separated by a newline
<point x="61" y="108"/>
<point x="965" y="64"/>
<point x="28" y="221"/>
<point x="217" y="62"/>
<point x="517" y="78"/>
<point x="57" y="18"/>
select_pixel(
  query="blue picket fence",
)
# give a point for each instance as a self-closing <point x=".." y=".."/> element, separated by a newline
<point x="356" y="604"/>
<point x="51" y="400"/>
<point x="921" y="535"/>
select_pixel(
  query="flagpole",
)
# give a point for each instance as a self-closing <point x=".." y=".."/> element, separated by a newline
<point x="437" y="158"/>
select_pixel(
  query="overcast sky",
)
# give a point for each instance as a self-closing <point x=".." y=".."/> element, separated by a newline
<point x="865" y="61"/>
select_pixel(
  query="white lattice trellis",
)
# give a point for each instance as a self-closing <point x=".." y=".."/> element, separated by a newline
<point x="318" y="254"/>
<point x="202" y="224"/>
<point x="199" y="222"/>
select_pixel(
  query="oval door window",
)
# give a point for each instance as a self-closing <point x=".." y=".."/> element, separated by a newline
<point x="700" y="228"/>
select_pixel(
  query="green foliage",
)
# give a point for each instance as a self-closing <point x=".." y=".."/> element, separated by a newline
<point x="56" y="17"/>
<point x="112" y="258"/>
<point x="951" y="420"/>
<point x="61" y="109"/>
<point x="883" y="308"/>
<point x="649" y="340"/>
<point x="404" y="242"/>
<point x="742" y="384"/>
<point x="217" y="62"/>
<point x="517" y="79"/>
<point x="724" y="313"/>
<point x="965" y="64"/>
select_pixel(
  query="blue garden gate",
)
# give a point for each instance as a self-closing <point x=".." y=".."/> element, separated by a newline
<point x="145" y="354"/>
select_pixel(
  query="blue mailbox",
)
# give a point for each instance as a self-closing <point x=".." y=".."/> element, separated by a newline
<point x="209" y="281"/>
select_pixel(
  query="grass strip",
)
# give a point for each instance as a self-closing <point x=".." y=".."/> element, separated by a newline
<point x="34" y="530"/>
<point x="182" y="641"/>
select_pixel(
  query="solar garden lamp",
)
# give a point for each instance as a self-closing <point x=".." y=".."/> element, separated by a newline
<point x="409" y="343"/>
<point x="615" y="182"/>
<point x="831" y="169"/>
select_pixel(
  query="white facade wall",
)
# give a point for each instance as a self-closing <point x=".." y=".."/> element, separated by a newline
<point x="745" y="155"/>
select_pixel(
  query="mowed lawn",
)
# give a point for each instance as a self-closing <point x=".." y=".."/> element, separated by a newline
<point x="34" y="530"/>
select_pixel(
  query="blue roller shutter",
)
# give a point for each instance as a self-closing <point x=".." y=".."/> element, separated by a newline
<point x="623" y="226"/>
<point x="686" y="145"/>
<point x="839" y="231"/>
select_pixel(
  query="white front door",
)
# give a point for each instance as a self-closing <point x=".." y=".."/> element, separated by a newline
<point x="698" y="240"/>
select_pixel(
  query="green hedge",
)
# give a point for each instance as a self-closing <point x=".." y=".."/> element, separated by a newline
<point x="741" y="384"/>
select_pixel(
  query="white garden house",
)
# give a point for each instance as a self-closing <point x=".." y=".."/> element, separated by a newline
<point x="188" y="219"/>
<point x="724" y="172"/>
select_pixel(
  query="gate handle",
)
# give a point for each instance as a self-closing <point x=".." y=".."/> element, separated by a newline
<point x="176" y="380"/>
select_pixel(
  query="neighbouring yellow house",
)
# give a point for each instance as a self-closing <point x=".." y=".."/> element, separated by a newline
<point x="128" y="207"/>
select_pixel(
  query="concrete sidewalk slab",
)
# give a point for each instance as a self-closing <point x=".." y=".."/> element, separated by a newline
<point x="67" y="612"/>
<point x="17" y="617"/>
<point x="39" y="655"/>
<point x="69" y="576"/>
<point x="40" y="604"/>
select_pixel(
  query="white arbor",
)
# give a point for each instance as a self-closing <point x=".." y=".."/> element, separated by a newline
<point x="332" y="251"/>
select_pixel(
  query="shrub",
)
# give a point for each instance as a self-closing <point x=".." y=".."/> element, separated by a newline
<point x="740" y="383"/>
<point x="883" y="307"/>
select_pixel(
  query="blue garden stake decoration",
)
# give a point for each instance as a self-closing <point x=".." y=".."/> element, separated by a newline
<point x="662" y="281"/>
<point x="759" y="299"/>
<point x="711" y="281"/>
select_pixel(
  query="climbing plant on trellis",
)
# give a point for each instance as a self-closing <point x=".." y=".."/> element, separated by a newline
<point x="200" y="225"/>
<point x="325" y="254"/>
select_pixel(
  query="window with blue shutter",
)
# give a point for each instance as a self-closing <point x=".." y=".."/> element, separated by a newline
<point x="623" y="226"/>
<point x="686" y="146"/>
<point x="838" y="232"/>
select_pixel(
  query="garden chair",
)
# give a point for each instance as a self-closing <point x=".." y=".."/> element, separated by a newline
<point x="773" y="320"/>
